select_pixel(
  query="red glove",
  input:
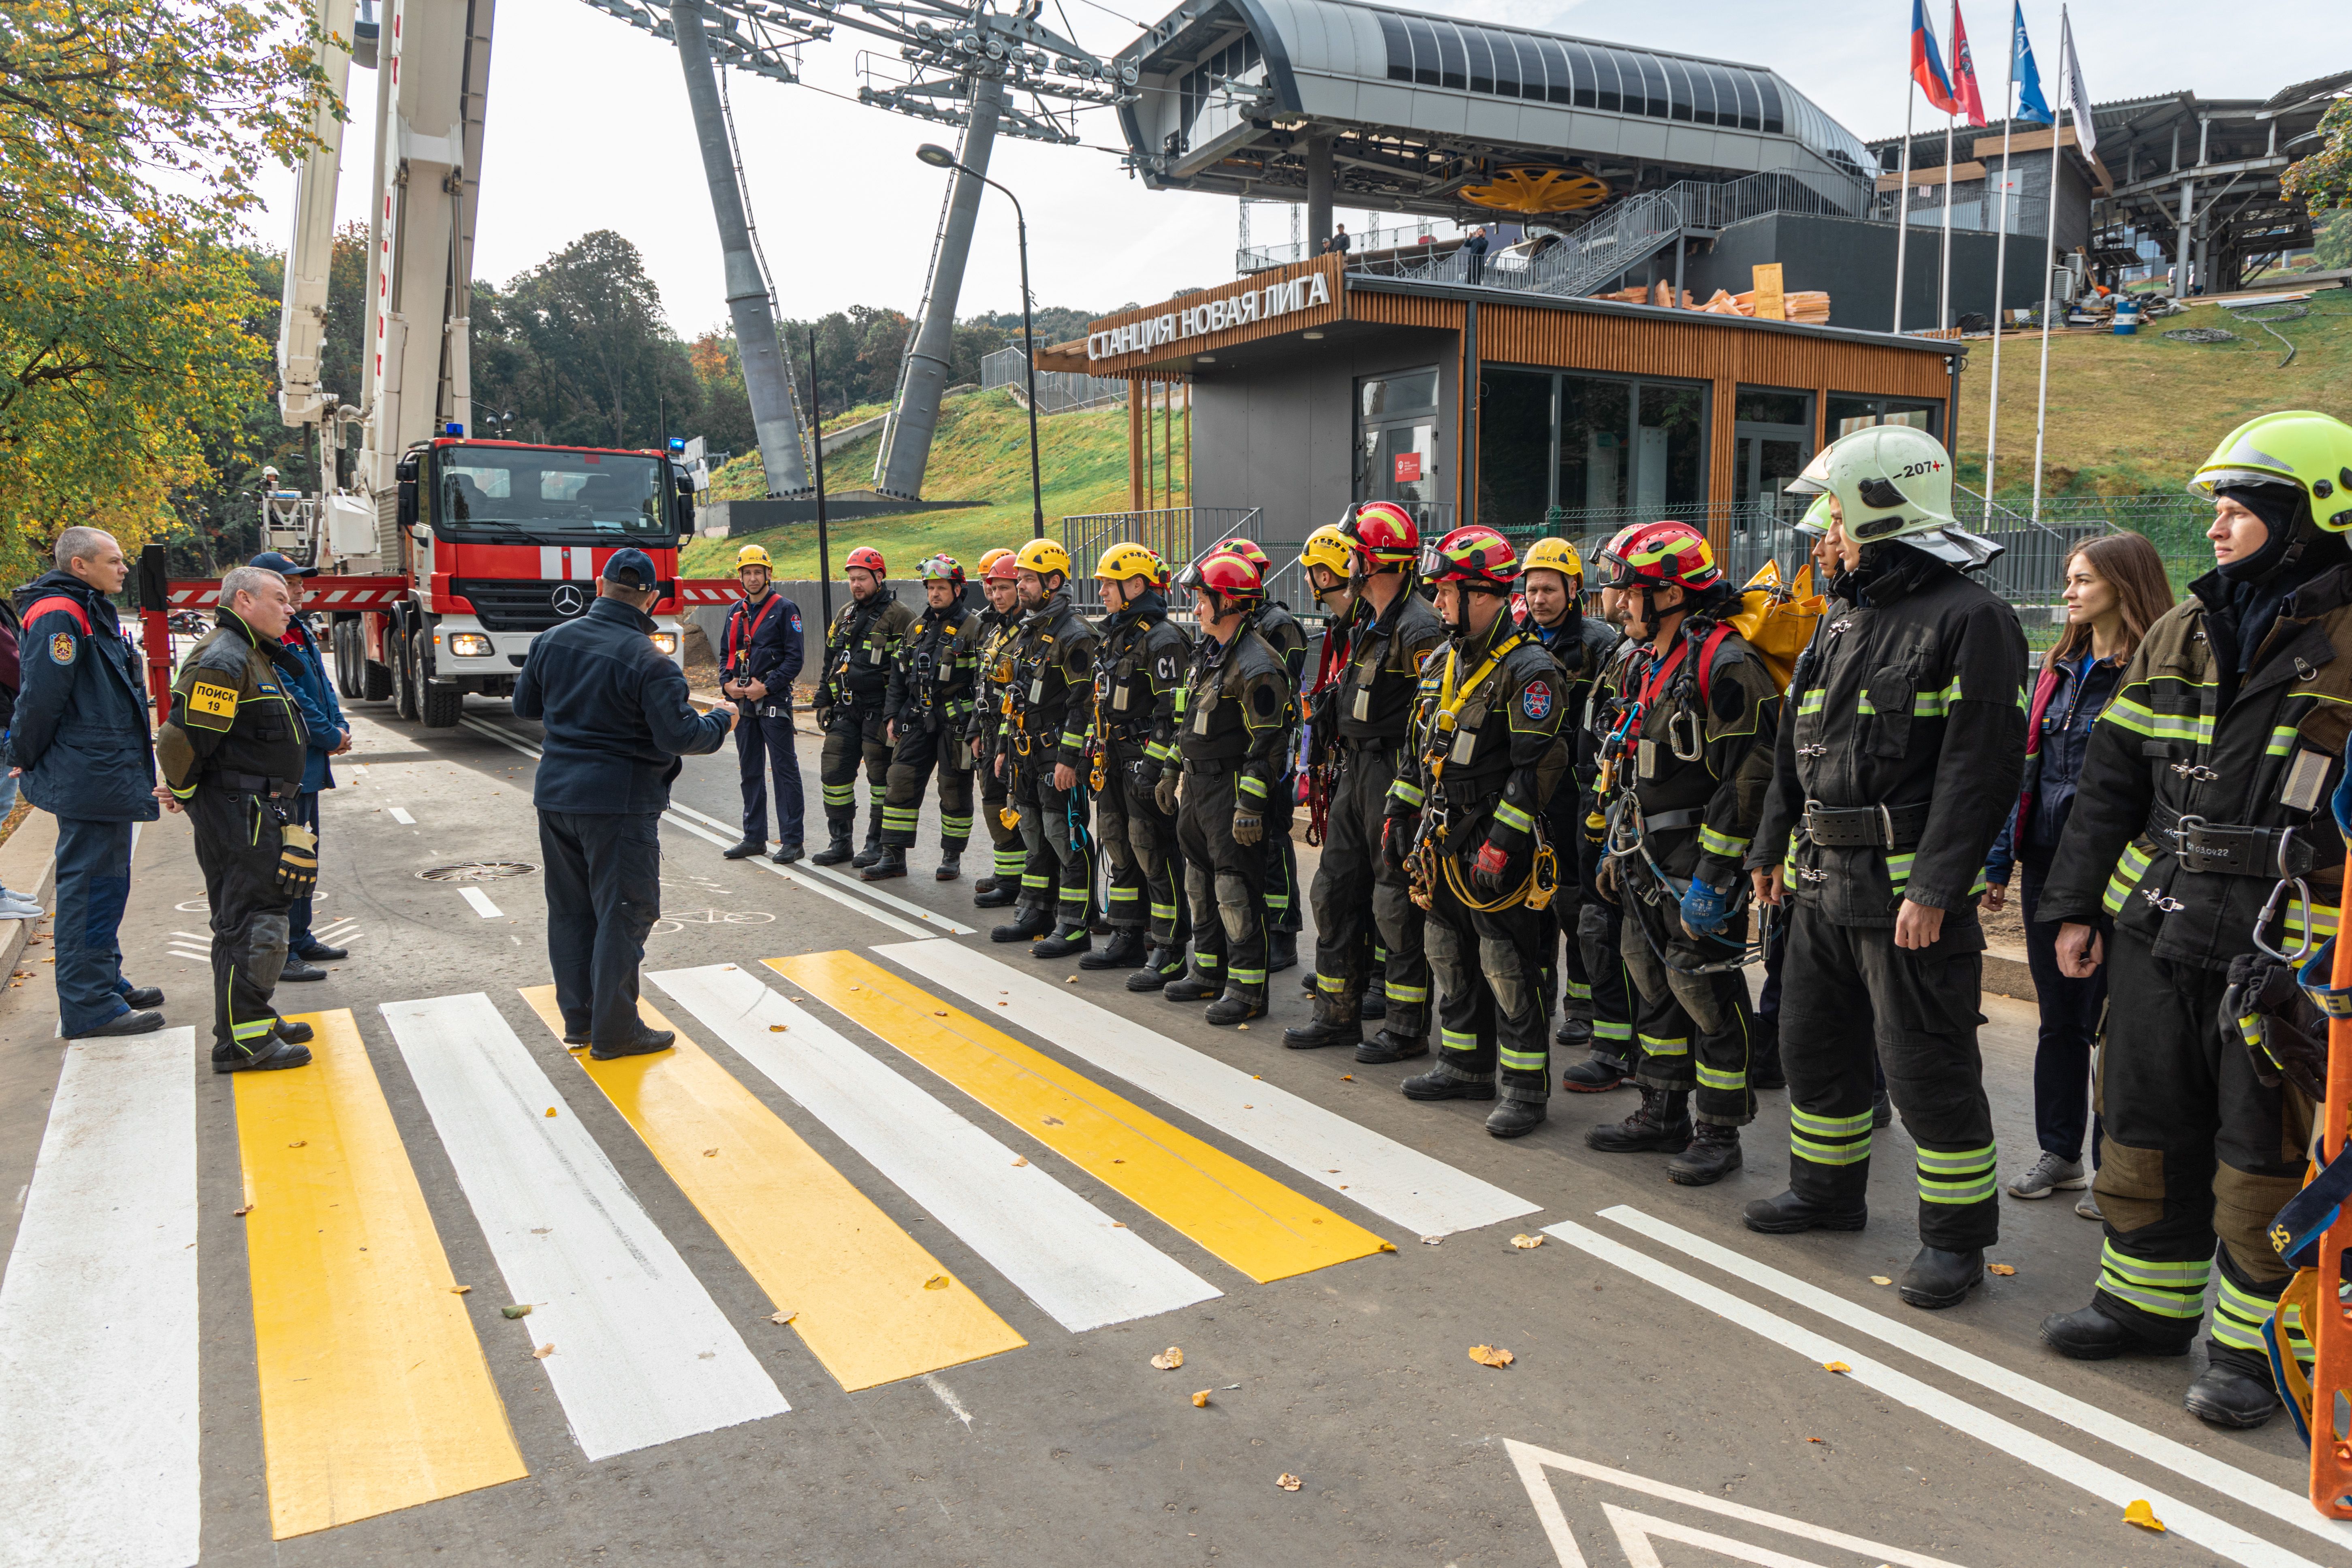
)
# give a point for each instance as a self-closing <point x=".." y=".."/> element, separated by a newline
<point x="1392" y="844"/>
<point x="1486" y="871"/>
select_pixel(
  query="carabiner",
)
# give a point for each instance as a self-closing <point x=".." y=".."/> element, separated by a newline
<point x="1675" y="729"/>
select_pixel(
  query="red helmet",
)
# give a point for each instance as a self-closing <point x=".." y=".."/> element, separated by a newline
<point x="1662" y="555"/>
<point x="1385" y="534"/>
<point x="1250" y="551"/>
<point x="942" y="568"/>
<point x="869" y="558"/>
<point x="999" y="566"/>
<point x="1474" y="556"/>
<point x="1227" y="576"/>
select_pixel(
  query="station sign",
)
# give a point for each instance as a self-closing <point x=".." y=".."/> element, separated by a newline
<point x="1218" y="313"/>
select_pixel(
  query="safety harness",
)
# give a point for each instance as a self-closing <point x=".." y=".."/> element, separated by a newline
<point x="1423" y="863"/>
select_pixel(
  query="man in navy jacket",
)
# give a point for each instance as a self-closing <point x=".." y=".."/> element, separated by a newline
<point x="760" y="658"/>
<point x="330" y="736"/>
<point x="617" y="722"/>
<point x="80" y="739"/>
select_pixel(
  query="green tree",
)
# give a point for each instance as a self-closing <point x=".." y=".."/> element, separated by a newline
<point x="579" y="350"/>
<point x="2323" y="178"/>
<point x="2332" y="234"/>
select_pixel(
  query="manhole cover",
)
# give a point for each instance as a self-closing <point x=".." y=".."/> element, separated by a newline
<point x="478" y="871"/>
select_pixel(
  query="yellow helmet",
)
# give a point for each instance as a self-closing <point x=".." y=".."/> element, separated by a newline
<point x="1044" y="556"/>
<point x="1121" y="561"/>
<point x="1553" y="555"/>
<point x="752" y="556"/>
<point x="991" y="559"/>
<point x="1329" y="548"/>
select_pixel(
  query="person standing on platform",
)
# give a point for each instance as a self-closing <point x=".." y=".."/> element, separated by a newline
<point x="617" y="722"/>
<point x="928" y="708"/>
<point x="1052" y="711"/>
<point x="1139" y="669"/>
<point x="992" y="634"/>
<point x="78" y="744"/>
<point x="760" y="657"/>
<point x="330" y="736"/>
<point x="858" y="649"/>
<point x="1284" y="900"/>
<point x="1600" y="924"/>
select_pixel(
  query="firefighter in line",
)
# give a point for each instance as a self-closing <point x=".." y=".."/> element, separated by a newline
<point x="929" y="707"/>
<point x="2209" y="778"/>
<point x="991" y="634"/>
<point x="1139" y="669"/>
<point x="1466" y="819"/>
<point x="1901" y="758"/>
<point x="1551" y="585"/>
<point x="1360" y="899"/>
<point x="1609" y="1059"/>
<point x="859" y="648"/>
<point x="1691" y="761"/>
<point x="1285" y="912"/>
<point x="1233" y="756"/>
<point x="760" y="658"/>
<point x="232" y="752"/>
<point x="1045" y="756"/>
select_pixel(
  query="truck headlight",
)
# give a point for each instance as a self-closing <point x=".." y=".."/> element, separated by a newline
<point x="665" y="643"/>
<point x="470" y="644"/>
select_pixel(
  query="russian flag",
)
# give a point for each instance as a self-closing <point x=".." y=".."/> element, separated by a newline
<point x="1928" y="62"/>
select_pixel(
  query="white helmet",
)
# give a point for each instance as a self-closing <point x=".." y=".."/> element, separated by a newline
<point x="1894" y="481"/>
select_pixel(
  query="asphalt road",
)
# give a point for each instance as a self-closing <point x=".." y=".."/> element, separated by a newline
<point x="984" y="1196"/>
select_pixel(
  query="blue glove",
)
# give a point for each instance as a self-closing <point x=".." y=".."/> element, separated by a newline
<point x="1704" y="909"/>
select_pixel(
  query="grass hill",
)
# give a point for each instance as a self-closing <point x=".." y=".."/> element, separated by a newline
<point x="981" y="453"/>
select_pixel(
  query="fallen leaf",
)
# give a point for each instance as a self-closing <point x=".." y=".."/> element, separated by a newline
<point x="1492" y="1355"/>
<point x="1118" y="1224"/>
<point x="1821" y="1440"/>
<point x="778" y="1028"/>
<point x="1835" y="1366"/>
<point x="939" y="1012"/>
<point x="1072" y="980"/>
<point x="247" y="1209"/>
<point x="1201" y="1400"/>
<point x="1388" y="1246"/>
<point x="543" y="1351"/>
<point x="1004" y="1003"/>
<point x="519" y="1309"/>
<point x="542" y="1230"/>
<point x="1249" y="1108"/>
<point x="1288" y="1483"/>
<point x="783" y="1318"/>
<point x="1527" y="1243"/>
<point x="1169" y="1359"/>
<point x="551" y="1111"/>
<point x="459" y="1290"/>
<point x="1054" y="1121"/>
<point x="1430" y="1240"/>
<point x="2003" y="1268"/>
<point x="298" y="1143"/>
<point x="1880" y="1280"/>
<point x="2139" y="1512"/>
<point x="1347" y="1077"/>
<point x="1020" y="1158"/>
<point x="935" y="1283"/>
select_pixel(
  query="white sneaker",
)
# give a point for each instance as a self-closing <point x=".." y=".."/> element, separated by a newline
<point x="16" y="907"/>
<point x="2050" y="1174"/>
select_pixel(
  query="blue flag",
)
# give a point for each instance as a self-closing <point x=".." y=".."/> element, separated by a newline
<point x="2030" y="104"/>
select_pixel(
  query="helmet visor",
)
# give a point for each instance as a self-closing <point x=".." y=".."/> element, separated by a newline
<point x="1432" y="561"/>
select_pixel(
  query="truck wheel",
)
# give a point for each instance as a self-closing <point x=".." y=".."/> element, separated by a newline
<point x="404" y="700"/>
<point x="347" y="660"/>
<point x="378" y="681"/>
<point x="441" y="704"/>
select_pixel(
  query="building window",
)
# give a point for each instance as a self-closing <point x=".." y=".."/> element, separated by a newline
<point x="1396" y="437"/>
<point x="1848" y="412"/>
<point x="1515" y="441"/>
<point x="1629" y="450"/>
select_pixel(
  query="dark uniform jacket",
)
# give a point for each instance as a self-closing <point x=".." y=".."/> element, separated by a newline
<point x="762" y="642"/>
<point x="1053" y="686"/>
<point x="989" y="638"/>
<point x="1139" y="669"/>
<point x="314" y="691"/>
<point x="1232" y="714"/>
<point x="932" y="678"/>
<point x="2166" y="749"/>
<point x="234" y="723"/>
<point x="79" y="730"/>
<point x="616" y="713"/>
<point x="858" y="650"/>
<point x="1580" y="645"/>
<point x="1283" y="633"/>
<point x="1703" y="763"/>
<point x="1382" y="676"/>
<point x="1910" y="697"/>
<point x="1485" y="753"/>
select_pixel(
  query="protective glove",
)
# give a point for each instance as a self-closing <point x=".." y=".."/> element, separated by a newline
<point x="1248" y="826"/>
<point x="1396" y="842"/>
<point x="1704" y="911"/>
<point x="1487" y="871"/>
<point x="1604" y="878"/>
<point x="2282" y="1031"/>
<point x="298" y="861"/>
<point x="823" y="714"/>
<point x="1163" y="793"/>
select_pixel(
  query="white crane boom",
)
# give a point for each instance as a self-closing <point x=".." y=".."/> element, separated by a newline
<point x="303" y="315"/>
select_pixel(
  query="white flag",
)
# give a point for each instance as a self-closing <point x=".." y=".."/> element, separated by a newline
<point x="2078" y="97"/>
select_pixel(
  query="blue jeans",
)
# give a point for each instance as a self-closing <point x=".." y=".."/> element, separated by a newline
<point x="2071" y="1011"/>
<point x="93" y="886"/>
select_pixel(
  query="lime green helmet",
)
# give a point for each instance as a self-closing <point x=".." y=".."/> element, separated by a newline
<point x="2313" y="452"/>
<point x="1893" y="481"/>
<point x="1817" y="519"/>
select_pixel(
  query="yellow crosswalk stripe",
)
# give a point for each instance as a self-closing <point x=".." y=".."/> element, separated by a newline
<point x="1253" y="1222"/>
<point x="818" y="1245"/>
<point x="374" y="1394"/>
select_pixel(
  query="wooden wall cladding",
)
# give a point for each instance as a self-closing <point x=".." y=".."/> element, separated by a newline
<point x="1692" y="346"/>
<point x="1407" y="309"/>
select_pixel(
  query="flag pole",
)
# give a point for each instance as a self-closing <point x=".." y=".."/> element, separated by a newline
<point x="1944" y="247"/>
<point x="2000" y="261"/>
<point x="1903" y="198"/>
<point x="2050" y="244"/>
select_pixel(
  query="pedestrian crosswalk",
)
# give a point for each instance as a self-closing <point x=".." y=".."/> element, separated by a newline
<point x="375" y="1363"/>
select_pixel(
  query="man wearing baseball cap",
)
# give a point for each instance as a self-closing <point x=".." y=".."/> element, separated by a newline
<point x="314" y="691"/>
<point x="616" y="722"/>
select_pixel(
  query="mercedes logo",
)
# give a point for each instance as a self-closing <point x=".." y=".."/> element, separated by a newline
<point x="569" y="599"/>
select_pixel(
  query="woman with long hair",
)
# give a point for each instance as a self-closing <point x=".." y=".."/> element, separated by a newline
<point x="2116" y="589"/>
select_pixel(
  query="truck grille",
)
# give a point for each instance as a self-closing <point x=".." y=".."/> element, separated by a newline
<point x="523" y="603"/>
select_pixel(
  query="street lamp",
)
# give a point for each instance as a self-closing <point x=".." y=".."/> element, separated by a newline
<point x="939" y="157"/>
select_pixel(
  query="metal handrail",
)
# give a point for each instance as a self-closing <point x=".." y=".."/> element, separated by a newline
<point x="1177" y="534"/>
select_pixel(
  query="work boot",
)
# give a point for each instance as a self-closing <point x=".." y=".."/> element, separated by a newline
<point x="315" y="951"/>
<point x="891" y="862"/>
<point x="1940" y="1279"/>
<point x="982" y="885"/>
<point x="1713" y="1154"/>
<point x="1391" y="1045"/>
<point x="297" y="971"/>
<point x="269" y="1055"/>
<point x="1596" y="1074"/>
<point x="1375" y="1004"/>
<point x="1190" y="987"/>
<point x="1029" y="922"/>
<point x="1124" y="951"/>
<point x="1234" y="1007"/>
<point x="1334" y="1023"/>
<point x="837" y="848"/>
<point x="867" y="853"/>
<point x="647" y="1042"/>
<point x="1002" y="893"/>
<point x="1663" y="1123"/>
<point x="1787" y="1214"/>
<point x="136" y="1021"/>
<point x="1573" y="1033"/>
<point x="1068" y="937"/>
<point x="1308" y="981"/>
<point x="2086" y="1334"/>
<point x="951" y="865"/>
<point x="1515" y="1118"/>
<point x="144" y="996"/>
<point x="1160" y="965"/>
<point x="1438" y="1084"/>
<point x="2227" y="1395"/>
<point x="786" y="853"/>
<point x="1281" y="951"/>
<point x="745" y="850"/>
<point x="293" y="1033"/>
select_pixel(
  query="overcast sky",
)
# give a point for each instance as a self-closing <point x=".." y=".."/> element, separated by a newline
<point x="589" y="129"/>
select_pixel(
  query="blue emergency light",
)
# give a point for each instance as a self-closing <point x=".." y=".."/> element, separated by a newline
<point x="452" y="429"/>
<point x="677" y="446"/>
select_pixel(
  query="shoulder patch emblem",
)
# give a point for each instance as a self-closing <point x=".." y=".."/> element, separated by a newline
<point x="63" y="648"/>
<point x="1535" y="700"/>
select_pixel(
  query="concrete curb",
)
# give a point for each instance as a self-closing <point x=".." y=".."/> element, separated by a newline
<point x="2007" y="974"/>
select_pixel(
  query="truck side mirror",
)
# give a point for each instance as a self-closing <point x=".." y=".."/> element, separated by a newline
<point x="407" y="503"/>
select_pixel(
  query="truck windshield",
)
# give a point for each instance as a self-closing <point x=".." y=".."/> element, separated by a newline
<point x="545" y="492"/>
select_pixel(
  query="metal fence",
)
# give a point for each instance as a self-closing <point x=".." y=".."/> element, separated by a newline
<point x="1058" y="390"/>
<point x="1177" y="534"/>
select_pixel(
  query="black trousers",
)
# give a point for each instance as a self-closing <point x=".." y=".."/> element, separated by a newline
<point x="1692" y="1031"/>
<point x="920" y="751"/>
<point x="1847" y="986"/>
<point x="1363" y="906"/>
<point x="2195" y="1150"/>
<point x="1600" y="925"/>
<point x="1285" y="908"/>
<point x="297" y="915"/>
<point x="1144" y="881"/>
<point x="2071" y="1011"/>
<point x="1228" y="878"/>
<point x="854" y="736"/>
<point x="238" y="843"/>
<point x="763" y="745"/>
<point x="1012" y="854"/>
<point x="1059" y="868"/>
<point x="1492" y="1023"/>
<point x="604" y="895"/>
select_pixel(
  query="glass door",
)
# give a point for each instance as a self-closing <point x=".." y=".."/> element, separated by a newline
<point x="1396" y="437"/>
